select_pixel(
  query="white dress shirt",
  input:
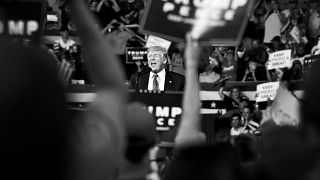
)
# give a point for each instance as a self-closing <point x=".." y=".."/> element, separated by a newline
<point x="65" y="45"/>
<point x="161" y="79"/>
<point x="237" y="132"/>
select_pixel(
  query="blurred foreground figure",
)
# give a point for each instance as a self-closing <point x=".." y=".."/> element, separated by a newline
<point x="33" y="127"/>
<point x="140" y="138"/>
<point x="195" y="160"/>
<point x="99" y="138"/>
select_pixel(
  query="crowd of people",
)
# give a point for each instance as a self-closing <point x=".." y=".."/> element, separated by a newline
<point x="273" y="26"/>
<point x="115" y="139"/>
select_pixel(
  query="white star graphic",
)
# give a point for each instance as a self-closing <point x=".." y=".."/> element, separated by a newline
<point x="213" y="105"/>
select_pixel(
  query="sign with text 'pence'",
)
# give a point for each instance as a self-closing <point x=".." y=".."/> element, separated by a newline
<point x="166" y="109"/>
<point x="22" y="20"/>
<point x="213" y="22"/>
<point x="279" y="59"/>
<point x="267" y="91"/>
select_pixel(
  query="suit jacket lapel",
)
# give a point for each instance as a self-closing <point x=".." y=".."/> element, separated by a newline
<point x="168" y="84"/>
<point x="144" y="81"/>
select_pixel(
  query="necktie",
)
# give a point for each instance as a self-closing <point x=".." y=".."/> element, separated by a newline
<point x="155" y="82"/>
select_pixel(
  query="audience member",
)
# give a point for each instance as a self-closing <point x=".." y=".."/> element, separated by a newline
<point x="232" y="101"/>
<point x="247" y="121"/>
<point x="176" y="61"/>
<point x="276" y="45"/>
<point x="63" y="47"/>
<point x="313" y="21"/>
<point x="229" y="65"/>
<point x="253" y="72"/>
<point x="316" y="49"/>
<point x="212" y="72"/>
<point x="236" y="128"/>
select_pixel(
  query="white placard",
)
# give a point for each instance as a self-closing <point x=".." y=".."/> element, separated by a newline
<point x="279" y="59"/>
<point x="285" y="109"/>
<point x="157" y="41"/>
<point x="267" y="91"/>
<point x="295" y="33"/>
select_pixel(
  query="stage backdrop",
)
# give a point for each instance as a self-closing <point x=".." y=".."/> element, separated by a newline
<point x="167" y="107"/>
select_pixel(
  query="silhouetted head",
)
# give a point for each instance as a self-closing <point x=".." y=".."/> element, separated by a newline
<point x="311" y="103"/>
<point x="206" y="163"/>
<point x="33" y="127"/>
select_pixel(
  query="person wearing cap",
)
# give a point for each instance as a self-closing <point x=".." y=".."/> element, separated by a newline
<point x="156" y="77"/>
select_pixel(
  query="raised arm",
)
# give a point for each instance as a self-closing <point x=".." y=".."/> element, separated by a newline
<point x="221" y="94"/>
<point x="189" y="132"/>
<point x="99" y="133"/>
<point x="102" y="61"/>
<point x="219" y="54"/>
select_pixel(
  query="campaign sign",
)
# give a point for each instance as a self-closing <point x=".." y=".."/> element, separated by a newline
<point x="213" y="22"/>
<point x="279" y="59"/>
<point x="22" y="20"/>
<point x="267" y="91"/>
<point x="157" y="41"/>
<point x="166" y="108"/>
<point x="309" y="61"/>
<point x="285" y="109"/>
<point x="134" y="54"/>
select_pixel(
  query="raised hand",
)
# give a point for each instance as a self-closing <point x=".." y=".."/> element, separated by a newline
<point x="65" y="71"/>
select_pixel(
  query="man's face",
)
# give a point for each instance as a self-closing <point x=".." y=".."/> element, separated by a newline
<point x="235" y="122"/>
<point x="64" y="35"/>
<point x="246" y="113"/>
<point x="252" y="65"/>
<point x="255" y="43"/>
<point x="229" y="56"/>
<point x="242" y="105"/>
<point x="235" y="93"/>
<point x="300" y="51"/>
<point x="156" y="61"/>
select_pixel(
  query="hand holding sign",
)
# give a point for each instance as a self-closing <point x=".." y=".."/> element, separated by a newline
<point x="267" y="91"/>
<point x="279" y="59"/>
<point x="220" y="22"/>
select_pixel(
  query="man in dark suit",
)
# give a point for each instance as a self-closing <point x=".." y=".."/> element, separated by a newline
<point x="156" y="77"/>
